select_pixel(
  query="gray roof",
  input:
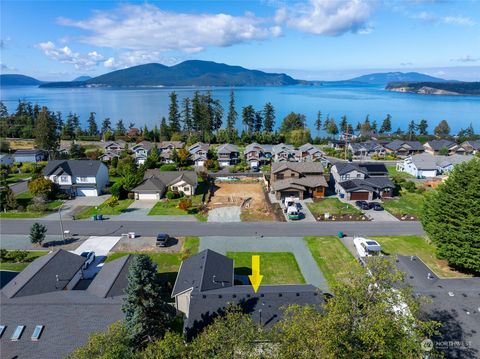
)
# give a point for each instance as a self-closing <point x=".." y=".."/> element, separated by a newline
<point x="227" y="148"/>
<point x="175" y="144"/>
<point x="265" y="306"/>
<point x="41" y="275"/>
<point x="81" y="168"/>
<point x="437" y="145"/>
<point x="282" y="147"/>
<point x="426" y="161"/>
<point x="110" y="143"/>
<point x="300" y="183"/>
<point x="301" y="167"/>
<point x="475" y="144"/>
<point x="369" y="169"/>
<point x="112" y="278"/>
<point x="150" y="184"/>
<point x="370" y="184"/>
<point x="253" y="147"/>
<point x="395" y="145"/>
<point x="145" y="144"/>
<point x="168" y="178"/>
<point x="198" y="146"/>
<point x="367" y="145"/>
<point x="29" y="152"/>
<point x="204" y="271"/>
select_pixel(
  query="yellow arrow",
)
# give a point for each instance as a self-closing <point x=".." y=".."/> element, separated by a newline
<point x="255" y="278"/>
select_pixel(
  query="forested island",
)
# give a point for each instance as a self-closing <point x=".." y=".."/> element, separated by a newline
<point x="436" y="88"/>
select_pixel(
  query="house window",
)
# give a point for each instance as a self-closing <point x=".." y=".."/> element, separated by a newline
<point x="64" y="179"/>
<point x="292" y="175"/>
<point x="186" y="188"/>
<point x="174" y="188"/>
<point x="279" y="176"/>
<point x="346" y="177"/>
<point x="82" y="179"/>
<point x="359" y="175"/>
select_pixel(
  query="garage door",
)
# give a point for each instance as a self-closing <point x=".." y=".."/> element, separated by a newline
<point x="87" y="192"/>
<point x="289" y="194"/>
<point x="359" y="195"/>
<point x="148" y="196"/>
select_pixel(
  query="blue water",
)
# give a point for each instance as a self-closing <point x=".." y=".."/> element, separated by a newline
<point x="147" y="106"/>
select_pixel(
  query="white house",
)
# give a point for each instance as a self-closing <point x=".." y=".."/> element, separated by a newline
<point x="141" y="151"/>
<point x="427" y="166"/>
<point x="199" y="153"/>
<point x="78" y="177"/>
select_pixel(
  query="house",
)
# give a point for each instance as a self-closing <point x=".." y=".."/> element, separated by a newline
<point x="6" y="159"/>
<point x="404" y="148"/>
<point x="337" y="144"/>
<point x="426" y="165"/>
<point x="29" y="156"/>
<point x="166" y="149"/>
<point x="283" y="153"/>
<point x="205" y="285"/>
<point x="471" y="147"/>
<point x="361" y="181"/>
<point x="298" y="179"/>
<point x="309" y="153"/>
<point x="367" y="148"/>
<point x="133" y="132"/>
<point x="108" y="156"/>
<point x="435" y="147"/>
<point x="199" y="153"/>
<point x="257" y="155"/>
<point x="52" y="294"/>
<point x="141" y="151"/>
<point x="155" y="183"/>
<point x="227" y="155"/>
<point x="112" y="146"/>
<point x="78" y="177"/>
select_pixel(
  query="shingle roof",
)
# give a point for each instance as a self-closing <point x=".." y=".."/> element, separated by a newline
<point x="475" y="144"/>
<point x="227" y="148"/>
<point x="369" y="169"/>
<point x="145" y="144"/>
<point x="81" y="168"/>
<point x="206" y="270"/>
<point x="28" y="152"/>
<point x="176" y="144"/>
<point x="112" y="278"/>
<point x="198" y="146"/>
<point x="301" y="167"/>
<point x="300" y="183"/>
<point x="48" y="273"/>
<point x="395" y="145"/>
<point x="356" y="185"/>
<point x="437" y="145"/>
<point x="347" y="167"/>
<point x="282" y="147"/>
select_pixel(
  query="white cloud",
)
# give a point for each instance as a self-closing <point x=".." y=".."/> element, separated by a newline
<point x="332" y="18"/>
<point x="6" y="68"/>
<point x="466" y="58"/>
<point x="146" y="27"/>
<point x="458" y="20"/>
<point x="66" y="56"/>
<point x="428" y="17"/>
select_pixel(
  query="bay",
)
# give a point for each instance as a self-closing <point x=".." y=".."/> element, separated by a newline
<point x="147" y="106"/>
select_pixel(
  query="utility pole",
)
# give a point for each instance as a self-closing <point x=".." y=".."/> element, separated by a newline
<point x="61" y="223"/>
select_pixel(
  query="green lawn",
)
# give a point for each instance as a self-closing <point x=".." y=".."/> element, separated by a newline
<point x="104" y="209"/>
<point x="167" y="263"/>
<point x="418" y="246"/>
<point x="333" y="206"/>
<point x="276" y="267"/>
<point x="22" y="265"/>
<point x="24" y="199"/>
<point x="332" y="257"/>
<point x="407" y="203"/>
<point x="15" y="177"/>
<point x="392" y="171"/>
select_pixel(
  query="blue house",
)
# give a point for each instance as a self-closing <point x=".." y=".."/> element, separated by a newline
<point x="29" y="156"/>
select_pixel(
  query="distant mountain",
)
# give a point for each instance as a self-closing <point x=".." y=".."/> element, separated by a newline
<point x="187" y="73"/>
<point x="82" y="78"/>
<point x="437" y="88"/>
<point x="383" y="78"/>
<point x="18" y="80"/>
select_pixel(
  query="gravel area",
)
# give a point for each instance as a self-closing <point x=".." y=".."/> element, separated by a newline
<point x="224" y="214"/>
<point x="147" y="244"/>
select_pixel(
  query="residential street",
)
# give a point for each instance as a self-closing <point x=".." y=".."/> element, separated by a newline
<point x="176" y="228"/>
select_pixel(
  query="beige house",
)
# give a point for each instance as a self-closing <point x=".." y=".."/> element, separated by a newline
<point x="155" y="183"/>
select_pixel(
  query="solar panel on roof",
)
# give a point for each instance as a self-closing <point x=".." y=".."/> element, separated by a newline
<point x="17" y="333"/>
<point x="37" y="332"/>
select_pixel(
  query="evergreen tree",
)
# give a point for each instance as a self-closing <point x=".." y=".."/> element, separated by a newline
<point x="68" y="129"/>
<point x="258" y="121"/>
<point x="37" y="233"/>
<point x="92" y="125"/>
<point x="366" y="126"/>
<point x="451" y="217"/>
<point x="46" y="133"/>
<point x="374" y="126"/>
<point x="232" y="113"/>
<point x="147" y="315"/>
<point x="442" y="129"/>
<point x="248" y="118"/>
<point x="120" y="129"/>
<point x="343" y="124"/>
<point x="173" y="113"/>
<point x="217" y="115"/>
<point x="318" y="123"/>
<point x="330" y="126"/>
<point x="422" y="127"/>
<point x="268" y="117"/>
<point x="187" y="115"/>
<point x="164" y="130"/>
<point x="411" y="130"/>
<point x="386" y="124"/>
<point x="106" y="125"/>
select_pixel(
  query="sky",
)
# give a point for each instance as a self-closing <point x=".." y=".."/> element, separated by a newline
<point x="308" y="39"/>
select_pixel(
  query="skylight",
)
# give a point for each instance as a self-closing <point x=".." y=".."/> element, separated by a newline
<point x="17" y="333"/>
<point x="37" y="332"/>
<point x="2" y="330"/>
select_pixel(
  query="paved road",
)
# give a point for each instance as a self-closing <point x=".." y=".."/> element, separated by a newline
<point x="20" y="187"/>
<point x="175" y="228"/>
<point x="295" y="245"/>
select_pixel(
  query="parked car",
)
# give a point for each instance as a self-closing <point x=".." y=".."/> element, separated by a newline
<point x="162" y="239"/>
<point x="255" y="169"/>
<point x="293" y="213"/>
<point x="90" y="258"/>
<point x="375" y="206"/>
<point x="362" y="205"/>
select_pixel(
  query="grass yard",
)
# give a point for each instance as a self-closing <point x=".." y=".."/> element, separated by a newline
<point x="104" y="209"/>
<point x="32" y="255"/>
<point x="16" y="177"/>
<point x="392" y="172"/>
<point x="332" y="257"/>
<point x="167" y="263"/>
<point x="276" y="267"/>
<point x="24" y="199"/>
<point x="333" y="206"/>
<point x="407" y="203"/>
<point x="418" y="246"/>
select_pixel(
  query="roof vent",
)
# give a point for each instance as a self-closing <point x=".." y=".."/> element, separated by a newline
<point x="451" y="294"/>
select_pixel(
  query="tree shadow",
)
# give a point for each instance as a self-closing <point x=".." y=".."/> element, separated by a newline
<point x="60" y="242"/>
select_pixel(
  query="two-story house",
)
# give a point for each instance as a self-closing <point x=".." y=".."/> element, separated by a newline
<point x="404" y="148"/>
<point x="166" y="149"/>
<point x="309" y="153"/>
<point x="257" y="155"/>
<point x="199" y="153"/>
<point x="437" y="147"/>
<point x="298" y="179"/>
<point x="471" y="147"/>
<point x="361" y="181"/>
<point x="141" y="151"/>
<point x="227" y="155"/>
<point x="283" y="153"/>
<point x="155" y="183"/>
<point x="78" y="177"/>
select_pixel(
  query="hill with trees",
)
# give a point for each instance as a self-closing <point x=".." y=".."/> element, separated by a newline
<point x="383" y="78"/>
<point x="18" y="80"/>
<point x="436" y="88"/>
<point x="187" y="73"/>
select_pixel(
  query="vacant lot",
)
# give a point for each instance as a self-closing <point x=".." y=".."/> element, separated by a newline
<point x="276" y="267"/>
<point x="418" y="246"/>
<point x="104" y="209"/>
<point x="250" y="195"/>
<point x="408" y="204"/>
<point x="331" y="256"/>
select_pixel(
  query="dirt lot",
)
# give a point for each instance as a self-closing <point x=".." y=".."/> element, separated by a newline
<point x="147" y="244"/>
<point x="249" y="195"/>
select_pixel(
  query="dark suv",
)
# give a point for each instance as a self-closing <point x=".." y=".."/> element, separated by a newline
<point x="362" y="205"/>
<point x="162" y="239"/>
<point x="375" y="206"/>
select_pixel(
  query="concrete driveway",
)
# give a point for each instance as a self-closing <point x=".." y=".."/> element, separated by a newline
<point x="70" y="205"/>
<point x="381" y="216"/>
<point x="225" y="214"/>
<point x="295" y="245"/>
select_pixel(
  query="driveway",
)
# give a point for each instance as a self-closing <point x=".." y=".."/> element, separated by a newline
<point x="224" y="214"/>
<point x="20" y="187"/>
<point x="376" y="216"/>
<point x="70" y="205"/>
<point x="295" y="245"/>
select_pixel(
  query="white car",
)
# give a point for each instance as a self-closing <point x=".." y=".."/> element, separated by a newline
<point x="90" y="256"/>
<point x="367" y="247"/>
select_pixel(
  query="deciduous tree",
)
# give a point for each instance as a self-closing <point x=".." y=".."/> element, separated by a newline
<point x="442" y="129"/>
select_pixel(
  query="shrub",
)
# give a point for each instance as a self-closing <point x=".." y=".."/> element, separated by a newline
<point x="112" y="202"/>
<point x="171" y="195"/>
<point x="17" y="256"/>
<point x="3" y="254"/>
<point x="39" y="204"/>
<point x="131" y="195"/>
<point x="62" y="195"/>
<point x="118" y="191"/>
<point x="185" y="204"/>
<point x="409" y="186"/>
<point x="168" y="167"/>
<point x="41" y="186"/>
